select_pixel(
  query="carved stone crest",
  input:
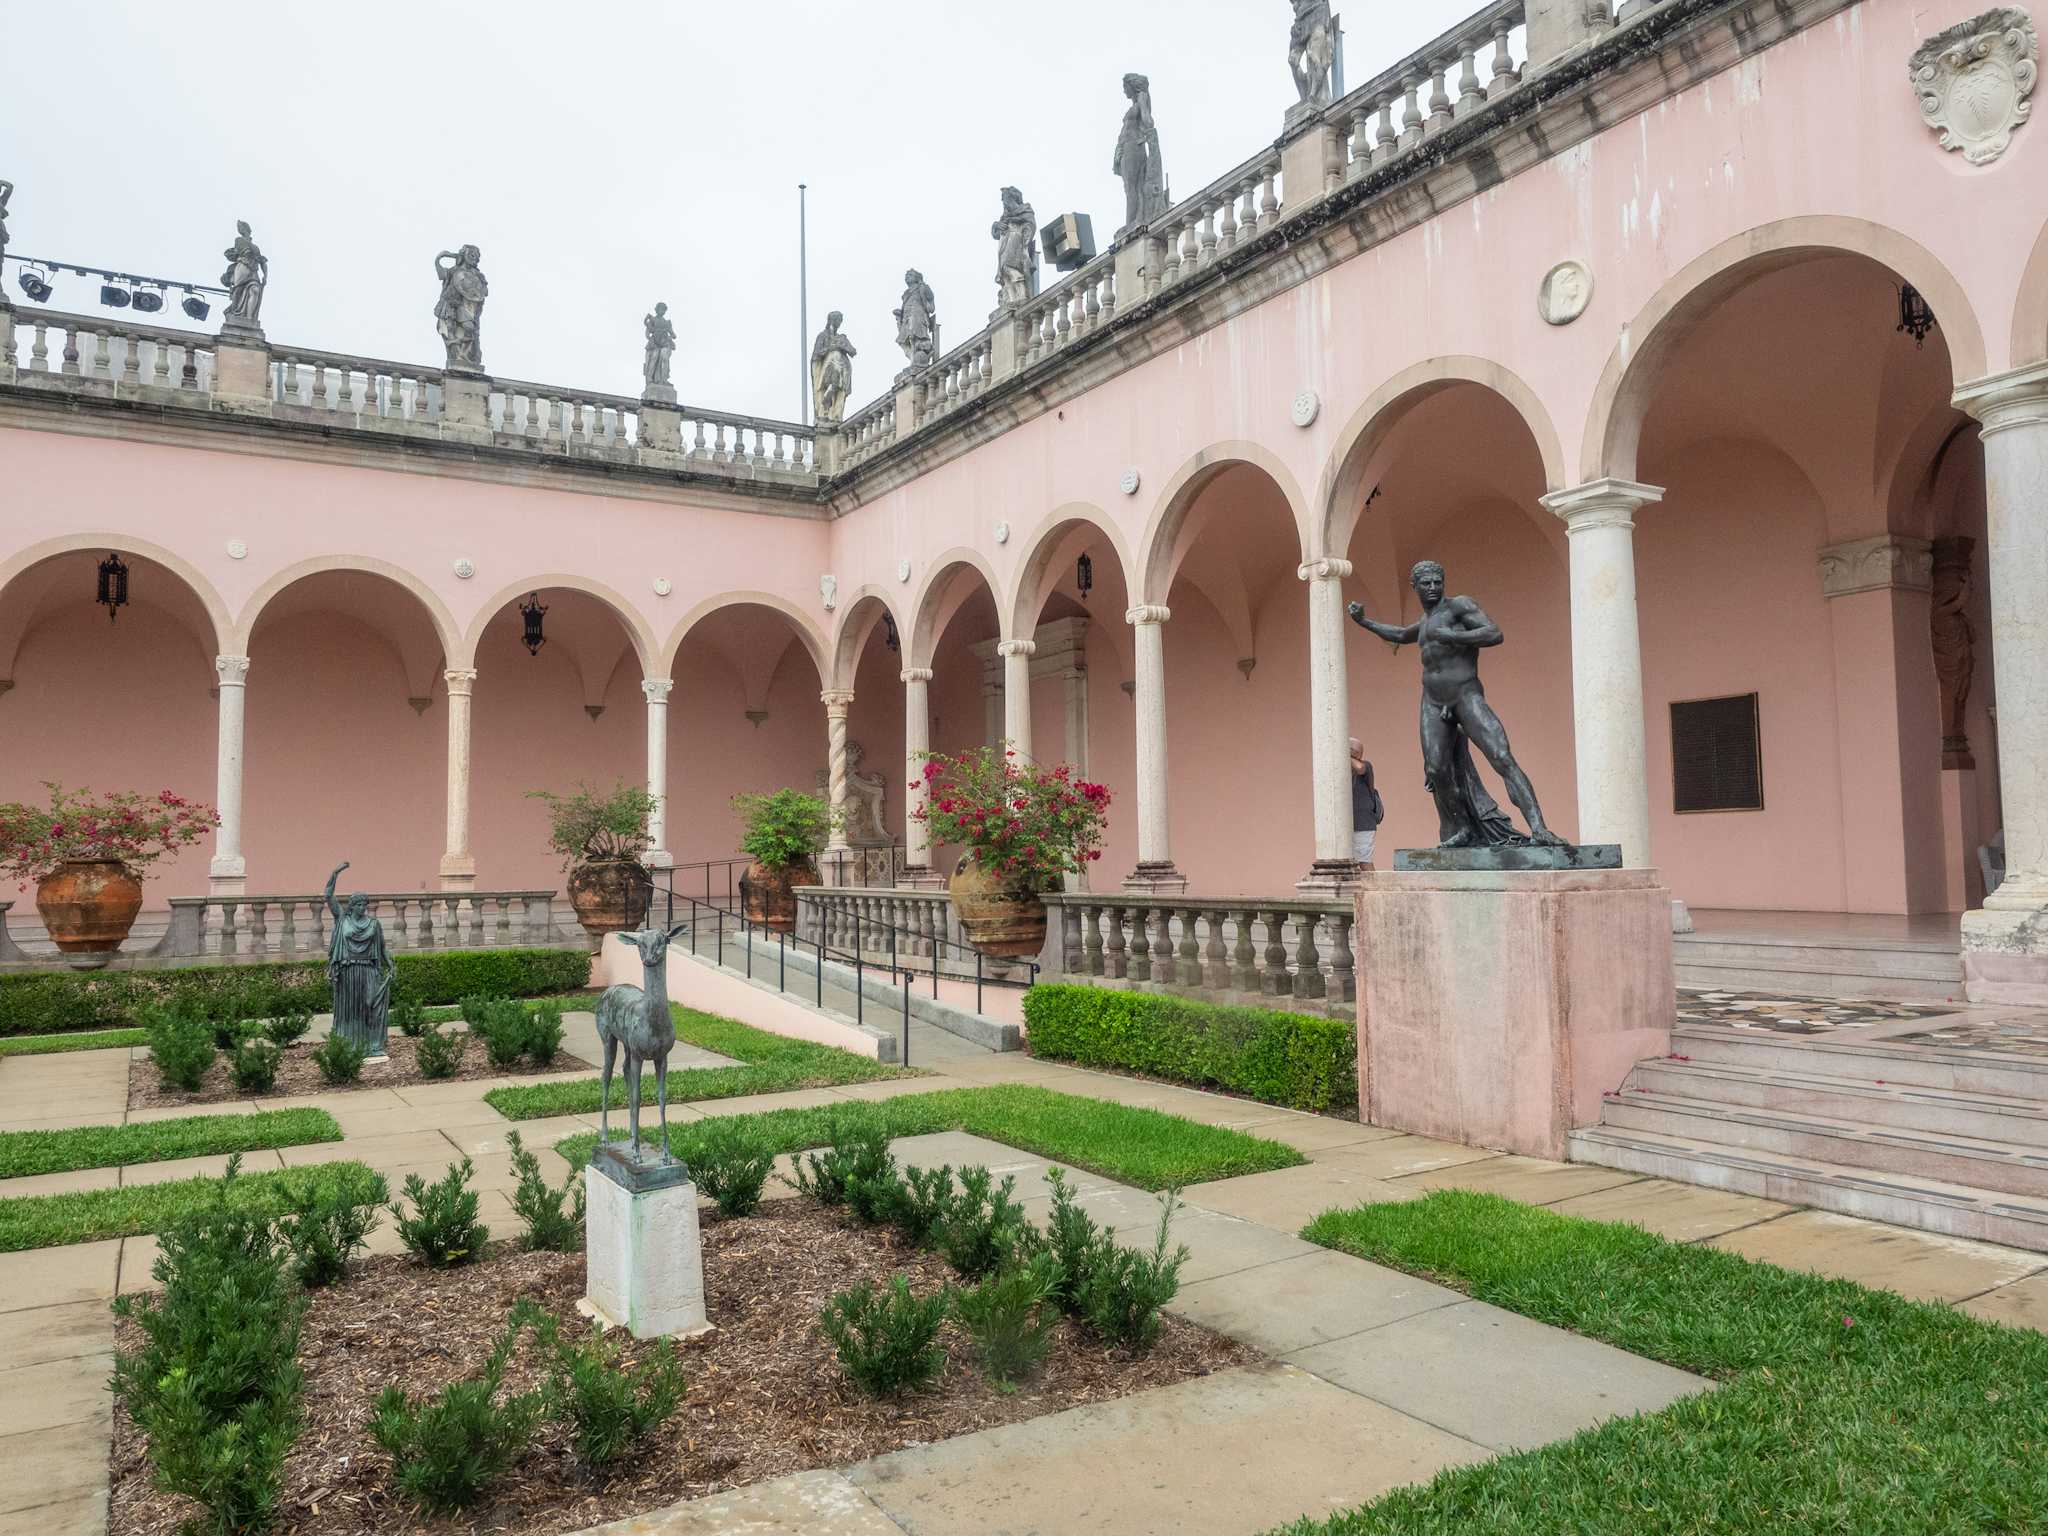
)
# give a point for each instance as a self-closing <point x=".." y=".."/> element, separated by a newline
<point x="1973" y="82"/>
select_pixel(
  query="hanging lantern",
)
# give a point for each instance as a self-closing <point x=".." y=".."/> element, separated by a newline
<point x="529" y="613"/>
<point x="1915" y="318"/>
<point x="1084" y="574"/>
<point x="889" y="632"/>
<point x="113" y="589"/>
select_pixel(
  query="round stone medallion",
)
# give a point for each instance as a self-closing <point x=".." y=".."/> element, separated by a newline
<point x="1002" y="533"/>
<point x="1129" y="484"/>
<point x="663" y="586"/>
<point x="903" y="570"/>
<point x="237" y="550"/>
<point x="464" y="569"/>
<point x="1308" y="405"/>
<point x="1567" y="290"/>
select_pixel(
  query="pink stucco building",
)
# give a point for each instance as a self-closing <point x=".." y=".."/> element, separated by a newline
<point x="1729" y="474"/>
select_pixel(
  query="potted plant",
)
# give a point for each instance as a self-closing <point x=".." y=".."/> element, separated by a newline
<point x="86" y="854"/>
<point x="781" y="832"/>
<point x="1021" y="828"/>
<point x="600" y="835"/>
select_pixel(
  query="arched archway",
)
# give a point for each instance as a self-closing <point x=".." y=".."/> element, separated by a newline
<point x="864" y="710"/>
<point x="71" y="681"/>
<point x="952" y="694"/>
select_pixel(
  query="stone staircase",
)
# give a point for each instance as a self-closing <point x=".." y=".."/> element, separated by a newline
<point x="1898" y="970"/>
<point x="1950" y="1141"/>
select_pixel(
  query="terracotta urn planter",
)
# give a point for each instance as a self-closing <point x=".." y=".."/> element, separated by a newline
<point x="89" y="905"/>
<point x="610" y="896"/>
<point x="1008" y="924"/>
<point x="771" y="894"/>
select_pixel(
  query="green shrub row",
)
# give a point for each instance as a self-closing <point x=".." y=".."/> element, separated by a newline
<point x="45" y="1003"/>
<point x="1293" y="1059"/>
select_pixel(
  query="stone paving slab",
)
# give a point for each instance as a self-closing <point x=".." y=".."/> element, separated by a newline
<point x="963" y="1150"/>
<point x="1240" y="1451"/>
<point x="1394" y="1156"/>
<point x="136" y="1174"/>
<point x="378" y="1151"/>
<point x="138" y="1263"/>
<point x="48" y="1277"/>
<point x="1317" y="1297"/>
<point x="1116" y="1207"/>
<point x="1685" y="1213"/>
<point x="1287" y="1199"/>
<point x="55" y="1392"/>
<point x="65" y="1463"/>
<point x="59" y="1183"/>
<point x="353" y="1101"/>
<point x="1224" y="1245"/>
<point x="1531" y="1180"/>
<point x="69" y="1120"/>
<point x="1922" y="1265"/>
<point x="806" y="1504"/>
<point x="1315" y="1133"/>
<point x="82" y="1516"/>
<point x="2023" y="1304"/>
<point x="754" y="1103"/>
<point x="453" y="1114"/>
<point x="1494" y="1377"/>
<point x="36" y="1335"/>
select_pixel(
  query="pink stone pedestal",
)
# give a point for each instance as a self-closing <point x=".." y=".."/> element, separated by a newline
<point x="1495" y="1009"/>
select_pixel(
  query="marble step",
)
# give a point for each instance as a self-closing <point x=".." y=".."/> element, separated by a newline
<point x="2005" y="1167"/>
<point x="1929" y="1205"/>
<point x="1868" y="1061"/>
<point x="1780" y="982"/>
<point x="1894" y="971"/>
<point x="1891" y="1106"/>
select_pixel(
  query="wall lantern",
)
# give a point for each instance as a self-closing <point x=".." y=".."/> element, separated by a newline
<point x="113" y="588"/>
<point x="1084" y="574"/>
<point x="529" y="613"/>
<point x="1915" y="318"/>
<point x="889" y="634"/>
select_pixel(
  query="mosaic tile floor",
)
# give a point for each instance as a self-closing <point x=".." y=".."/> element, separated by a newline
<point x="1796" y="1015"/>
<point x="2011" y="1036"/>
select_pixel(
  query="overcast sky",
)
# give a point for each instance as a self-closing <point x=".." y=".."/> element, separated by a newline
<point x="606" y="156"/>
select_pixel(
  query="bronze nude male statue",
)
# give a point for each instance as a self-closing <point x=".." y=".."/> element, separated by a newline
<point x="1455" y="717"/>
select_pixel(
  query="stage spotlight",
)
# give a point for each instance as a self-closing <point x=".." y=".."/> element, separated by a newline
<point x="112" y="297"/>
<point x="194" y="306"/>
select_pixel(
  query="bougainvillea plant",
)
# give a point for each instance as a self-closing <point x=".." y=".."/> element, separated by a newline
<point x="1026" y="823"/>
<point x="134" y="829"/>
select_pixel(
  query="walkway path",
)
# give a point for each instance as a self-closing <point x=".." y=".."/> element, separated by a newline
<point x="1377" y="1379"/>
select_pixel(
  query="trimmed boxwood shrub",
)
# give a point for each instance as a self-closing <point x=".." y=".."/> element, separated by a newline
<point x="44" y="1003"/>
<point x="1293" y="1059"/>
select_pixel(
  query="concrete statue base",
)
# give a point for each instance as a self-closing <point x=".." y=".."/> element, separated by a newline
<point x="241" y="377"/>
<point x="466" y="406"/>
<point x="1523" y="856"/>
<point x="2005" y="950"/>
<point x="644" y="1263"/>
<point x="1496" y="1007"/>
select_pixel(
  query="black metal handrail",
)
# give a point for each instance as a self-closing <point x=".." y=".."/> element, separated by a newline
<point x="899" y="962"/>
<point x="713" y="875"/>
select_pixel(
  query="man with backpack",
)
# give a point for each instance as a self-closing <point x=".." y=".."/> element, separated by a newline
<point x="1367" y="810"/>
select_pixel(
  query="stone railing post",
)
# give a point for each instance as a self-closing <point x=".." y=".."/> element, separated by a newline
<point x="227" y="874"/>
<point x="458" y="865"/>
<point x="1559" y="27"/>
<point x="1607" y="663"/>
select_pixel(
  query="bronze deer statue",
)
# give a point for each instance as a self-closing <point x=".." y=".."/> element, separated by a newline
<point x="638" y="1018"/>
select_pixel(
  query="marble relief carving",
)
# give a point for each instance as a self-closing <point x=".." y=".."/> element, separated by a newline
<point x="1974" y="80"/>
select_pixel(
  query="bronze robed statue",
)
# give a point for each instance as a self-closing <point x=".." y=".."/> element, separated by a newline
<point x="361" y="969"/>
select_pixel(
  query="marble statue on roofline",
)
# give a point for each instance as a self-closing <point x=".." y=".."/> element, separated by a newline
<point x="831" y="372"/>
<point x="246" y="276"/>
<point x="1016" y="249"/>
<point x="6" y="192"/>
<point x="459" y="312"/>
<point x="1137" y="160"/>
<point x="1311" y="47"/>
<point x="661" y="350"/>
<point x="917" y="320"/>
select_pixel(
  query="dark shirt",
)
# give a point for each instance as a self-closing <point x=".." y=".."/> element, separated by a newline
<point x="1366" y="809"/>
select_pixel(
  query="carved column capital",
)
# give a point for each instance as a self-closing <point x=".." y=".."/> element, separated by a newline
<point x="1884" y="562"/>
<point x="233" y="670"/>
<point x="837" y="702"/>
<point x="460" y="680"/>
<point x="2007" y="400"/>
<point x="1017" y="648"/>
<point x="656" y="689"/>
<point x="1328" y="568"/>
<point x="1148" y="613"/>
<point x="917" y="674"/>
<point x="1604" y="503"/>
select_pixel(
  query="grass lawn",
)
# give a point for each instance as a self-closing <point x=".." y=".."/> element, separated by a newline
<point x="158" y="1141"/>
<point x="1841" y="1410"/>
<point x="85" y="1040"/>
<point x="1137" y="1146"/>
<point x="768" y="1064"/>
<point x="49" y="1221"/>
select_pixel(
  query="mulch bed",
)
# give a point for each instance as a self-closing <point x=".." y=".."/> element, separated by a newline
<point x="766" y="1394"/>
<point x="297" y="1074"/>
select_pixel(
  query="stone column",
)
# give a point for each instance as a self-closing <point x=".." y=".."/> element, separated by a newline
<point x="838" y="702"/>
<point x="1888" y="716"/>
<point x="656" y="691"/>
<point x="1607" y="663"/>
<point x="227" y="874"/>
<point x="1017" y="656"/>
<point x="458" y="865"/>
<point x="917" y="738"/>
<point x="2005" y="945"/>
<point x="1155" y="871"/>
<point x="1329" y="718"/>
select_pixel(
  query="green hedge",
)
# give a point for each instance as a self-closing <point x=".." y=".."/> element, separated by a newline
<point x="1294" y="1059"/>
<point x="47" y="1002"/>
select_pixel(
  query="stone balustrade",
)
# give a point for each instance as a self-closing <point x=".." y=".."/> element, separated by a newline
<point x="923" y="924"/>
<point x="1229" y="212"/>
<point x="1480" y="58"/>
<point x="1279" y="953"/>
<point x="300" y="927"/>
<point x="320" y="386"/>
<point x="867" y="432"/>
<point x="131" y="358"/>
<point x="1082" y="302"/>
<point x="956" y="378"/>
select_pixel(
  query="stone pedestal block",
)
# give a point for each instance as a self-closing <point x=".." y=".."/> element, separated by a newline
<point x="241" y="377"/>
<point x="1495" y="1008"/>
<point x="466" y="407"/>
<point x="2005" y="948"/>
<point x="1308" y="154"/>
<point x="661" y="426"/>
<point x="644" y="1264"/>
